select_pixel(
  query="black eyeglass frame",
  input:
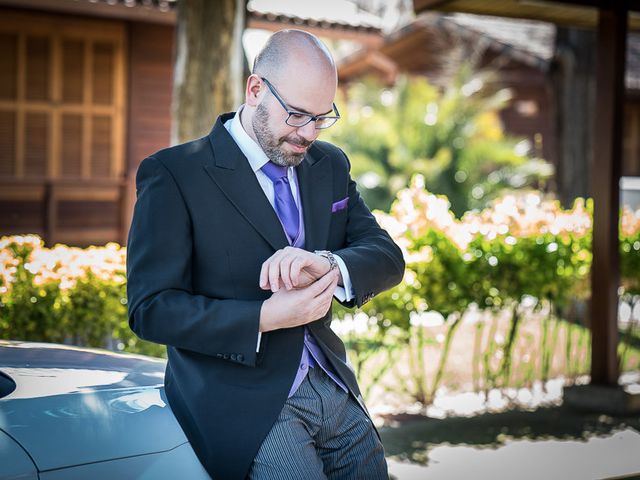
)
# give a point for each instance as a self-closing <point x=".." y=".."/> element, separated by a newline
<point x="311" y="118"/>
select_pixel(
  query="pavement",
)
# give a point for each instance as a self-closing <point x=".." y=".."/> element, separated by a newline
<point x="469" y="436"/>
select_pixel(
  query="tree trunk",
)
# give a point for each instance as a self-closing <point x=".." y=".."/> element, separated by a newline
<point x="209" y="63"/>
<point x="573" y="78"/>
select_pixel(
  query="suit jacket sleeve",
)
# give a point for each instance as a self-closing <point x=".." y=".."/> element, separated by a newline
<point x="162" y="305"/>
<point x="374" y="261"/>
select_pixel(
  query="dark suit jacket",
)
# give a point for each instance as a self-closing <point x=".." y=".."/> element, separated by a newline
<point x="201" y="229"/>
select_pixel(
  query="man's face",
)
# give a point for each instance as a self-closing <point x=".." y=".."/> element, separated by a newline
<point x="285" y="145"/>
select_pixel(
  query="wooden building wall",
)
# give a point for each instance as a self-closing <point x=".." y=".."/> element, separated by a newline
<point x="82" y="102"/>
<point x="530" y="114"/>
<point x="631" y="146"/>
<point x="151" y="49"/>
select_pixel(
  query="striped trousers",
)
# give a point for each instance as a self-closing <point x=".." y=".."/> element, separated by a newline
<point x="321" y="433"/>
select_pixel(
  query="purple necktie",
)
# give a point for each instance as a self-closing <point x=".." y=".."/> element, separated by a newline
<point x="284" y="202"/>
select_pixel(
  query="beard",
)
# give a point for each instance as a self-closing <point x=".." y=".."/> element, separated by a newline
<point x="272" y="146"/>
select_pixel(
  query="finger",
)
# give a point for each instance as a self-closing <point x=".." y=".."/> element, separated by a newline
<point x="264" y="275"/>
<point x="264" y="270"/>
<point x="294" y="272"/>
<point x="265" y="279"/>
<point x="285" y="270"/>
<point x="324" y="283"/>
<point x="274" y="274"/>
<point x="321" y="304"/>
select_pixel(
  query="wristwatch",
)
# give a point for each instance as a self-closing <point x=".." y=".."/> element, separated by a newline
<point x="329" y="256"/>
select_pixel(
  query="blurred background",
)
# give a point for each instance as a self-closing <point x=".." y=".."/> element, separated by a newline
<point x="498" y="142"/>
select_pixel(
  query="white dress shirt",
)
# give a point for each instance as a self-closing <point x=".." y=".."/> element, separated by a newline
<point x="257" y="158"/>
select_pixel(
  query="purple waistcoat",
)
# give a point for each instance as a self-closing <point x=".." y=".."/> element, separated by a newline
<point x="312" y="355"/>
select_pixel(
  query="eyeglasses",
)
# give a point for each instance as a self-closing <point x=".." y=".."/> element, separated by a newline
<point x="300" y="119"/>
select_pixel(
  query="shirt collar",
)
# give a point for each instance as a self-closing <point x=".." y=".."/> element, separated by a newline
<point x="247" y="145"/>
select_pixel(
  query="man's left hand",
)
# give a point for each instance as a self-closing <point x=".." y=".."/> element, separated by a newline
<point x="292" y="267"/>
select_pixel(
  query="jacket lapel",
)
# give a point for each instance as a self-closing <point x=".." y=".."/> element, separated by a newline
<point x="316" y="191"/>
<point x="231" y="172"/>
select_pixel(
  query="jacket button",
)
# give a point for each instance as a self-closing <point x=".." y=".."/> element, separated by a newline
<point x="233" y="357"/>
<point x="240" y="357"/>
<point x="218" y="355"/>
<point x="226" y="356"/>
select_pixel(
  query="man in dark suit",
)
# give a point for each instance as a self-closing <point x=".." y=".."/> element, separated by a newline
<point x="238" y="244"/>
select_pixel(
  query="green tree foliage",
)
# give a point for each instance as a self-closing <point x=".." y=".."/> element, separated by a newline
<point x="454" y="138"/>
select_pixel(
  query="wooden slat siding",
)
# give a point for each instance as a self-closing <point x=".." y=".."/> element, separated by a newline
<point x="40" y="106"/>
<point x="21" y="204"/>
<point x="7" y="142"/>
<point x="150" y="66"/>
<point x="38" y="126"/>
<point x="88" y="214"/>
<point x="120" y="105"/>
<point x="101" y="146"/>
<point x="150" y="90"/>
<point x="38" y="61"/>
<point x="50" y="217"/>
<point x="20" y="113"/>
<point x="60" y="209"/>
<point x="86" y="115"/>
<point x="8" y="51"/>
<point x="55" y="116"/>
<point x="73" y="70"/>
<point x="71" y="145"/>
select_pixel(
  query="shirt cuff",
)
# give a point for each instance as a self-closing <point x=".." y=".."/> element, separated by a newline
<point x="345" y="293"/>
<point x="258" y="344"/>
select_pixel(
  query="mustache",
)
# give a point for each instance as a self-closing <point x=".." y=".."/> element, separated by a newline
<point x="301" y="142"/>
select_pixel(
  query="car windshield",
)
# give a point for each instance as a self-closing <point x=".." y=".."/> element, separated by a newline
<point x="7" y="385"/>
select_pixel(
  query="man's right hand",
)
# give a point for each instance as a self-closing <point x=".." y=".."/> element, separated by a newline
<point x="290" y="308"/>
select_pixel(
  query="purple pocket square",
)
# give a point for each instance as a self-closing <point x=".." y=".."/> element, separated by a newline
<point x="339" y="205"/>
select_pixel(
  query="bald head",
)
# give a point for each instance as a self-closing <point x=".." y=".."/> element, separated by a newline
<point x="288" y="52"/>
<point x="293" y="76"/>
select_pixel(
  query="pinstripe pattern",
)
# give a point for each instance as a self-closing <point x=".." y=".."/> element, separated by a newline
<point x="321" y="433"/>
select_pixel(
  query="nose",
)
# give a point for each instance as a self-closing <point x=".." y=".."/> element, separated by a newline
<point x="308" y="131"/>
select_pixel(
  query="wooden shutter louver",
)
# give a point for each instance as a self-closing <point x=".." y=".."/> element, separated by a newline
<point x="9" y="70"/>
<point x="101" y="146"/>
<point x="7" y="143"/>
<point x="72" y="71"/>
<point x="38" y="58"/>
<point x="71" y="145"/>
<point x="36" y="144"/>
<point x="103" y="73"/>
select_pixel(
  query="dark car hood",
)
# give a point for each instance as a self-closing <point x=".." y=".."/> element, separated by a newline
<point x="73" y="406"/>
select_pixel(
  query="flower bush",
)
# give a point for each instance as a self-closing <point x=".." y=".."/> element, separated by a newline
<point x="66" y="294"/>
<point x="522" y="249"/>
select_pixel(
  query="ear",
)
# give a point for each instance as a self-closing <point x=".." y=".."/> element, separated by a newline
<point x="253" y="92"/>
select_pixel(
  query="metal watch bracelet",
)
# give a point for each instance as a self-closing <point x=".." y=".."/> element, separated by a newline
<point x="333" y="264"/>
